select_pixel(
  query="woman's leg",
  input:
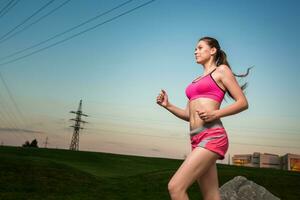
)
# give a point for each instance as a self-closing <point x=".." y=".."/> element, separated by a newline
<point x="209" y="184"/>
<point x="194" y="166"/>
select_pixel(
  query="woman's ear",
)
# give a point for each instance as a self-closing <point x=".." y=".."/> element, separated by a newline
<point x="213" y="51"/>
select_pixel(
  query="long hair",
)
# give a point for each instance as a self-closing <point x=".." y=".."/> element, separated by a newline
<point x="221" y="58"/>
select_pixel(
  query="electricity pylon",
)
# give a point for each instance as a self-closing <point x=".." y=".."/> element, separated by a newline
<point x="75" y="138"/>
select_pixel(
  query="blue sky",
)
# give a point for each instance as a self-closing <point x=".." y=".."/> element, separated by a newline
<point x="119" y="68"/>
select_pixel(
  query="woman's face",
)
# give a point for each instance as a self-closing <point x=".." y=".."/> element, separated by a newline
<point x="203" y="52"/>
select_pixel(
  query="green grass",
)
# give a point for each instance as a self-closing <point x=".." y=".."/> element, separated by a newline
<point x="28" y="173"/>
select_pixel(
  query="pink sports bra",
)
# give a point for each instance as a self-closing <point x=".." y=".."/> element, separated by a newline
<point x="206" y="87"/>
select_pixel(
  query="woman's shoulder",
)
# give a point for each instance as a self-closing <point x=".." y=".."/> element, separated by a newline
<point x="224" y="70"/>
<point x="223" y="67"/>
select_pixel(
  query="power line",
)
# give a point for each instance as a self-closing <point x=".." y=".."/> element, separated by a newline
<point x="136" y="119"/>
<point x="101" y="116"/>
<point x="8" y="122"/>
<point x="14" y="103"/>
<point x="262" y="137"/>
<point x="9" y="118"/>
<point x="238" y="131"/>
<point x="265" y="145"/>
<point x="36" y="21"/>
<point x="28" y="18"/>
<point x="266" y="130"/>
<point x="235" y="130"/>
<point x="106" y="131"/>
<point x="11" y="96"/>
<point x="75" y="35"/>
<point x="6" y="6"/>
<point x="157" y="128"/>
<point x="67" y="31"/>
<point x="4" y="12"/>
<point x="8" y="113"/>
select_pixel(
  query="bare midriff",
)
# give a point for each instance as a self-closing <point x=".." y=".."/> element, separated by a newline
<point x="202" y="104"/>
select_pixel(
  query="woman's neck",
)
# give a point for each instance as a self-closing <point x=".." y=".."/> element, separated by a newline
<point x="209" y="66"/>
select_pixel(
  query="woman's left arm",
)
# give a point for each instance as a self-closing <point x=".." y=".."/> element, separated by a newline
<point x="231" y="84"/>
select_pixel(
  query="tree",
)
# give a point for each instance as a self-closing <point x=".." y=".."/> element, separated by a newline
<point x="34" y="143"/>
<point x="26" y="144"/>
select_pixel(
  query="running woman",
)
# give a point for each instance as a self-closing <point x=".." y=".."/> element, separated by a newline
<point x="209" y="141"/>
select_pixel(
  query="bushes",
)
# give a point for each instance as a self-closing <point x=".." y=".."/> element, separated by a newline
<point x="34" y="143"/>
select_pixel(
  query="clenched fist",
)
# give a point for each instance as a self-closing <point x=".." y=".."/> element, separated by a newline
<point x="162" y="99"/>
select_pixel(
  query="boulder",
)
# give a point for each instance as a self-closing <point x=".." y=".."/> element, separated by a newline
<point x="240" y="188"/>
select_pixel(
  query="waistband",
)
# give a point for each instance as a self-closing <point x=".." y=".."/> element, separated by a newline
<point x="206" y="126"/>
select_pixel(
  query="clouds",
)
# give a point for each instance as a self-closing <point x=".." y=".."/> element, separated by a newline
<point x="17" y="130"/>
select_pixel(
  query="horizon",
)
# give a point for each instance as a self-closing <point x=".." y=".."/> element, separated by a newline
<point x="118" y="65"/>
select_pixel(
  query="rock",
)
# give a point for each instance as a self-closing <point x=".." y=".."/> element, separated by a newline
<point x="239" y="188"/>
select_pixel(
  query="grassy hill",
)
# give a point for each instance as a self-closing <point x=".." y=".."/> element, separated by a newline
<point x="27" y="173"/>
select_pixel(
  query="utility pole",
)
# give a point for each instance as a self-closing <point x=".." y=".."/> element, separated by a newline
<point x="46" y="142"/>
<point x="75" y="138"/>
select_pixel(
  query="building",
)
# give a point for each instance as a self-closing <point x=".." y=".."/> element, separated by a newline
<point x="267" y="160"/>
<point x="290" y="162"/>
<point x="257" y="159"/>
<point x="242" y="160"/>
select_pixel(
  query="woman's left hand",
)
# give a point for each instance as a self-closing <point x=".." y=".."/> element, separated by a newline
<point x="207" y="116"/>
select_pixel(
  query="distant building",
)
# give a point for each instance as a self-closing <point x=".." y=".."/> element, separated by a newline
<point x="266" y="160"/>
<point x="256" y="159"/>
<point x="242" y="160"/>
<point x="291" y="162"/>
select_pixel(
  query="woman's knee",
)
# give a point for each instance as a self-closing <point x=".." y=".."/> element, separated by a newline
<point x="175" y="187"/>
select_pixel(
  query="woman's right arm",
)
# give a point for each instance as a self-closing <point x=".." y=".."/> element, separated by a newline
<point x="178" y="112"/>
<point x="162" y="100"/>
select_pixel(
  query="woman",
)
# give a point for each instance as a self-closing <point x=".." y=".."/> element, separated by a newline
<point x="203" y="112"/>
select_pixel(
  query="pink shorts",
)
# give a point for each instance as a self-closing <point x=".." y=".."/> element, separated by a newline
<point x="213" y="139"/>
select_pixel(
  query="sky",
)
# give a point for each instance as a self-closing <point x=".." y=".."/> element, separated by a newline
<point x="118" y="63"/>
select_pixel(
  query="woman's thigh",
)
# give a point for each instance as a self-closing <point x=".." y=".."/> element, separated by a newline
<point x="208" y="182"/>
<point x="193" y="167"/>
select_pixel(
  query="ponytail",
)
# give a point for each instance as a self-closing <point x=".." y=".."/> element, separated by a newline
<point x="221" y="58"/>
